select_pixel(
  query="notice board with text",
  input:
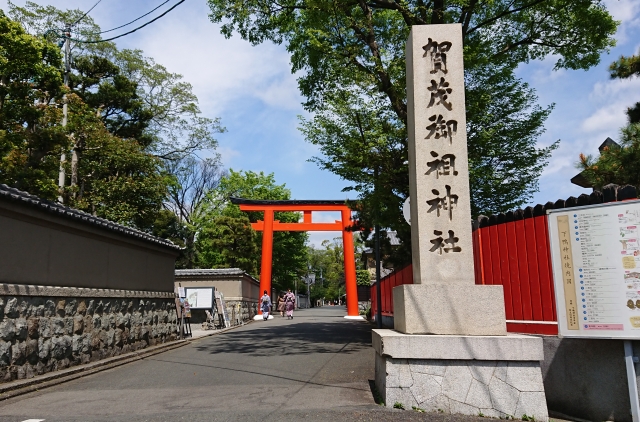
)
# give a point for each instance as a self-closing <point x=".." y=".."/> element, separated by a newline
<point x="596" y="269"/>
<point x="200" y="297"/>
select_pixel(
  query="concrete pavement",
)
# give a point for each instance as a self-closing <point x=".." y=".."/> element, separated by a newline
<point x="317" y="366"/>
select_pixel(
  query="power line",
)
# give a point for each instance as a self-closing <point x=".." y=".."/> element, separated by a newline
<point x="136" y="19"/>
<point x="85" y="15"/>
<point x="133" y="30"/>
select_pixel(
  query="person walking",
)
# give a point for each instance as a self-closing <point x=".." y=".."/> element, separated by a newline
<point x="290" y="301"/>
<point x="281" y="305"/>
<point x="265" y="305"/>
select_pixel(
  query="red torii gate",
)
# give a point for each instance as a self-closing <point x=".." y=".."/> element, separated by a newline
<point x="269" y="225"/>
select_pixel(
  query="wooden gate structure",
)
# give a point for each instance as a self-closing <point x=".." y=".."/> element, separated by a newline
<point x="268" y="225"/>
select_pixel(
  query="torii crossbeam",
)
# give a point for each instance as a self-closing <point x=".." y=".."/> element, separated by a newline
<point x="269" y="225"/>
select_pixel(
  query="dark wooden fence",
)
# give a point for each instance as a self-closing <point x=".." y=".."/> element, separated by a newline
<point x="512" y="250"/>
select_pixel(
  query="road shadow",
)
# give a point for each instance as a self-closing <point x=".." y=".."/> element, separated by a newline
<point x="292" y="339"/>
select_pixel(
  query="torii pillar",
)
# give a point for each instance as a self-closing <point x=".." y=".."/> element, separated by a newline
<point x="268" y="225"/>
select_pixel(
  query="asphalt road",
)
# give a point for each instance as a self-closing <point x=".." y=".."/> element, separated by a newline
<point x="317" y="367"/>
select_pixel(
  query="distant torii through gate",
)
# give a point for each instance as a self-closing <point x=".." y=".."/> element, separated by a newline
<point x="269" y="225"/>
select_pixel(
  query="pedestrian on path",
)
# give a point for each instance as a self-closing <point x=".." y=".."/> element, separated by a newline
<point x="281" y="305"/>
<point x="265" y="305"/>
<point x="290" y="301"/>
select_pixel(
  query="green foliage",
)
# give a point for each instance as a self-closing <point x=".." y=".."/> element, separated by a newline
<point x="328" y="261"/>
<point x="615" y="165"/>
<point x="618" y="165"/>
<point x="398" y="405"/>
<point x="504" y="161"/>
<point x="228" y="242"/>
<point x="350" y="55"/>
<point x="131" y="125"/>
<point x="289" y="253"/>
<point x="193" y="179"/>
<point x="116" y="179"/>
<point x="627" y="67"/>
<point x="363" y="277"/>
<point x="30" y="83"/>
<point x="328" y="265"/>
<point x="136" y="97"/>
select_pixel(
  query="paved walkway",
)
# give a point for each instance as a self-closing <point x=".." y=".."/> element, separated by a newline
<point x="317" y="366"/>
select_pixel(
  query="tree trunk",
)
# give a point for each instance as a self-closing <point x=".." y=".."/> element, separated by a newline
<point x="438" y="12"/>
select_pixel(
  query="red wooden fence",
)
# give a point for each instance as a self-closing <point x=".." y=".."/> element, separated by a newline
<point x="512" y="250"/>
<point x="515" y="254"/>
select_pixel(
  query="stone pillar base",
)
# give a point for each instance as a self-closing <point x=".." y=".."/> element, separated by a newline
<point x="459" y="309"/>
<point x="493" y="376"/>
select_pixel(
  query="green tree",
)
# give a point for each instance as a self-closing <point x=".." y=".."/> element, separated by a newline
<point x="229" y="242"/>
<point x="328" y="262"/>
<point x="30" y="83"/>
<point x="193" y="180"/>
<point x="136" y="98"/>
<point x="619" y="165"/>
<point x="624" y="68"/>
<point x="289" y="252"/>
<point x="350" y="55"/>
<point x="116" y="178"/>
<point x="132" y="128"/>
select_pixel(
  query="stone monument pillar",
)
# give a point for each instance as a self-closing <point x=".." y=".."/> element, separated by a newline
<point x="444" y="298"/>
<point x="449" y="350"/>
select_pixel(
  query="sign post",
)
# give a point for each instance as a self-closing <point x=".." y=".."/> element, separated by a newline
<point x="595" y="253"/>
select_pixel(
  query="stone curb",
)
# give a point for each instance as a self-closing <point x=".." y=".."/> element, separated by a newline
<point x="20" y="387"/>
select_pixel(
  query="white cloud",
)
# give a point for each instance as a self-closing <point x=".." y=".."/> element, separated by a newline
<point x="626" y="11"/>
<point x="222" y="71"/>
<point x="615" y="96"/>
<point x="541" y="72"/>
<point x="227" y="154"/>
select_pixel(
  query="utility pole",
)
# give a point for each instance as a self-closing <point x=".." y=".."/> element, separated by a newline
<point x="65" y="109"/>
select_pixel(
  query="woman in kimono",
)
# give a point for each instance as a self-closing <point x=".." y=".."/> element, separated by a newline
<point x="290" y="301"/>
<point x="281" y="305"/>
<point x="265" y="305"/>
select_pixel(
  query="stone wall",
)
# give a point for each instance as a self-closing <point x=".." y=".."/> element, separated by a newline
<point x="239" y="312"/>
<point x="45" y="333"/>
<point x="495" y="389"/>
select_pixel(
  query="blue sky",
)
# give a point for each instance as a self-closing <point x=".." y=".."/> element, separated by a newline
<point x="252" y="90"/>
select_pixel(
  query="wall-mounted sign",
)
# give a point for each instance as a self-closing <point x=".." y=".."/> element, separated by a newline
<point x="596" y="269"/>
<point x="200" y="297"/>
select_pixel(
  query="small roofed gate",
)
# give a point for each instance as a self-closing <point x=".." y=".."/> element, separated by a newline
<point x="268" y="225"/>
<point x="512" y="249"/>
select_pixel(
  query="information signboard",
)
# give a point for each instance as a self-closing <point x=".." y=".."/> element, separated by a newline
<point x="596" y="269"/>
<point x="200" y="297"/>
<point x="222" y="309"/>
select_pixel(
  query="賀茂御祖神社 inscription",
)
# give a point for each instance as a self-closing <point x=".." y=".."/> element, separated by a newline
<point x="447" y="245"/>
<point x="444" y="166"/>
<point x="440" y="93"/>
<point x="437" y="54"/>
<point x="445" y="203"/>
<point x="441" y="128"/>
<point x="439" y="175"/>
